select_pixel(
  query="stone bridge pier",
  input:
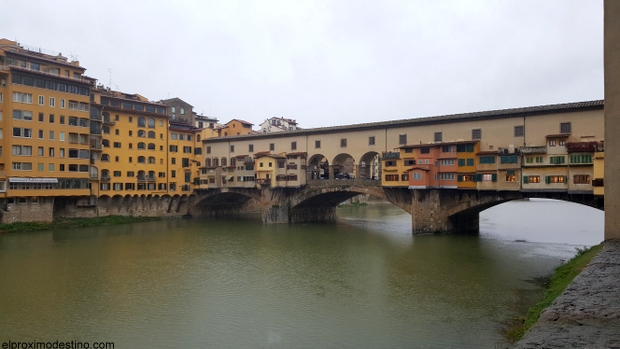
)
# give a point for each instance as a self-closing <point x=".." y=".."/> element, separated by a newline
<point x="451" y="210"/>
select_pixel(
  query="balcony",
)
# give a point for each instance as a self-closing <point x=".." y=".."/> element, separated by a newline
<point x="152" y="179"/>
<point x="573" y="147"/>
<point x="105" y="177"/>
<point x="534" y="150"/>
<point x="447" y="155"/>
<point x="141" y="179"/>
<point x="390" y="155"/>
<point x="108" y="122"/>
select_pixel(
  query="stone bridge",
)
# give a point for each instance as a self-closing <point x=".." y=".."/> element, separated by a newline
<point x="432" y="210"/>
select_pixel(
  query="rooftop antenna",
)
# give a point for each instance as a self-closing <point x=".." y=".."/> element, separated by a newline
<point x="168" y="95"/>
<point x="110" y="71"/>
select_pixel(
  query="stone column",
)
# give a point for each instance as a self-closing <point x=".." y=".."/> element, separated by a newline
<point x="612" y="118"/>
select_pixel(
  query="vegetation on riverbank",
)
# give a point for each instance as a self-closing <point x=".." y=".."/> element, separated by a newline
<point x="563" y="276"/>
<point x="65" y="223"/>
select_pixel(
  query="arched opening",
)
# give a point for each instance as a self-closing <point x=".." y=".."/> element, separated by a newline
<point x="343" y="166"/>
<point x="318" y="167"/>
<point x="369" y="166"/>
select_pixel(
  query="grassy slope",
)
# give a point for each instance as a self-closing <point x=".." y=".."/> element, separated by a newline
<point x="72" y="223"/>
<point x="563" y="276"/>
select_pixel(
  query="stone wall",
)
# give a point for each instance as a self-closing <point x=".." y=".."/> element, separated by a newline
<point x="28" y="210"/>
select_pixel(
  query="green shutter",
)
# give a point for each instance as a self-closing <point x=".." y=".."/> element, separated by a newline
<point x="526" y="179"/>
<point x="510" y="172"/>
<point x="494" y="177"/>
<point x="565" y="179"/>
<point x="460" y="178"/>
<point x="547" y="179"/>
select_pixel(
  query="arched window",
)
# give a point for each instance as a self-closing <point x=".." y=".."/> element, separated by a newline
<point x="208" y="162"/>
<point x="141" y="145"/>
<point x="105" y="174"/>
<point x="151" y="123"/>
<point x="141" y="122"/>
<point x="141" y="133"/>
<point x="151" y="159"/>
<point x="151" y="175"/>
<point x="141" y="160"/>
<point x="106" y="116"/>
<point x="106" y="130"/>
<point x="105" y="157"/>
<point x="141" y="175"/>
<point x="151" y="134"/>
<point x="105" y="143"/>
<point x="216" y="162"/>
<point x="198" y="138"/>
<point x="224" y="162"/>
<point x="151" y="146"/>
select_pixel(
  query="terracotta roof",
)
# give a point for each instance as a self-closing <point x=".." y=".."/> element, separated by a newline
<point x="418" y="168"/>
<point x="436" y="144"/>
<point x="487" y="152"/>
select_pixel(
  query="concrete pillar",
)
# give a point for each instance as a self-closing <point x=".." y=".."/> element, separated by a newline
<point x="612" y="118"/>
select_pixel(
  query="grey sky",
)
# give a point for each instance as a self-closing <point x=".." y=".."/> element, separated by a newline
<point x="328" y="63"/>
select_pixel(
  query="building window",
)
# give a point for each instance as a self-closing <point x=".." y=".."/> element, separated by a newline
<point x="552" y="143"/>
<point x="371" y="140"/>
<point x="22" y="115"/>
<point x="518" y="131"/>
<point x="417" y="176"/>
<point x="476" y="134"/>
<point x="565" y="127"/>
<point x="40" y="151"/>
<point x="447" y="176"/>
<point x="425" y="150"/>
<point x="52" y="102"/>
<point x="41" y="100"/>
<point x="402" y="139"/>
<point x="251" y="148"/>
<point x="343" y="142"/>
<point x="581" y="159"/>
<point x="555" y="179"/>
<point x="117" y="144"/>
<point x="391" y="178"/>
<point x="438" y="137"/>
<point x="581" y="179"/>
<point x="232" y="149"/>
<point x="208" y="149"/>
<point x="511" y="178"/>
<point x="487" y="159"/>
<point x="173" y="174"/>
<point x="272" y="146"/>
<point x="22" y="132"/>
<point x="293" y="145"/>
<point x="556" y="160"/>
<point x="531" y="179"/>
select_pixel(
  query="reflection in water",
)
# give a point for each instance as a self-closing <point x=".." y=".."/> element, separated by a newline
<point x="363" y="282"/>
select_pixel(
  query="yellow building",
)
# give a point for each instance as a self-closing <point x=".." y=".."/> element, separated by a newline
<point x="235" y="127"/>
<point x="134" y="145"/>
<point x="184" y="157"/>
<point x="599" y="169"/>
<point x="44" y="125"/>
<point x="466" y="156"/>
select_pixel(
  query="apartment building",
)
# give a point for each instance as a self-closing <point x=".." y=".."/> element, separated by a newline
<point x="184" y="157"/>
<point x="44" y="125"/>
<point x="132" y="159"/>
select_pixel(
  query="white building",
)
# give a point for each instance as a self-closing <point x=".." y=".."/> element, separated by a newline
<point x="276" y="124"/>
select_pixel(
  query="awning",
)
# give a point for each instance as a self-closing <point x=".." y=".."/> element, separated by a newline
<point x="32" y="180"/>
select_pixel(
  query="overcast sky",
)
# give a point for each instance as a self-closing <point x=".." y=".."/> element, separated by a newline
<point x="327" y="63"/>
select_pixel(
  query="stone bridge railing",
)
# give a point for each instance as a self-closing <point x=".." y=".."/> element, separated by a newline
<point x="327" y="183"/>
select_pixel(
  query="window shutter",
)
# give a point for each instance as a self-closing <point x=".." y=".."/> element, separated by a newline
<point x="526" y="179"/>
<point x="547" y="179"/>
<point x="460" y="178"/>
<point x="565" y="179"/>
<point x="494" y="177"/>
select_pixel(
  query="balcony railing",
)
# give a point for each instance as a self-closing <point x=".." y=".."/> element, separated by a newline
<point x="108" y="122"/>
<point x="105" y="178"/>
<point x="534" y="150"/>
<point x="141" y="179"/>
<point x="152" y="179"/>
<point x="573" y="147"/>
<point x="391" y="155"/>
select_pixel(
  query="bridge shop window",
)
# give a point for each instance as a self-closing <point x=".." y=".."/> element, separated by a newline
<point x="343" y="142"/>
<point x="404" y="177"/>
<point x="402" y="139"/>
<point x="392" y="163"/>
<point x="438" y="137"/>
<point x="487" y="159"/>
<point x="555" y="179"/>
<point x="408" y="162"/>
<point x="511" y="178"/>
<point x="581" y="179"/>
<point x="317" y="144"/>
<point x="391" y="178"/>
<point x="476" y="134"/>
<point x="519" y="131"/>
<point x="531" y="179"/>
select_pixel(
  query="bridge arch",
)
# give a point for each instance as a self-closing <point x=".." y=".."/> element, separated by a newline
<point x="369" y="166"/>
<point x="318" y="167"/>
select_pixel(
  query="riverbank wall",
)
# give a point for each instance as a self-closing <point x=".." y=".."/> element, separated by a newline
<point x="587" y="313"/>
<point x="47" y="209"/>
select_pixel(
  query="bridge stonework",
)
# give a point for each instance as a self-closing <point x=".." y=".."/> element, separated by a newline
<point x="432" y="210"/>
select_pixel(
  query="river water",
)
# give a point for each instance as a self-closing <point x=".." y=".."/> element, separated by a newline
<point x="363" y="282"/>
